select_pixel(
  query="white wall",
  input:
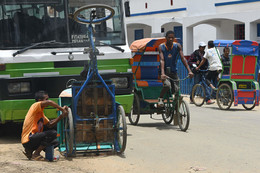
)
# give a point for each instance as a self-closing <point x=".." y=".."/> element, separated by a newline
<point x="200" y="7"/>
<point x="204" y="33"/>
<point x="138" y="6"/>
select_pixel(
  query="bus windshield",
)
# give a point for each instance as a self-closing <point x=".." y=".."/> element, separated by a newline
<point x="24" y="22"/>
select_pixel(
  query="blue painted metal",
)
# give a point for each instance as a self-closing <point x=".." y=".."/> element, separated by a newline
<point x="139" y="34"/>
<point x="178" y="33"/>
<point x="185" y="85"/>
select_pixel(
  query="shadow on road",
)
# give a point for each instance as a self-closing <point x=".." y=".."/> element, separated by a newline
<point x="159" y="126"/>
<point x="10" y="133"/>
<point x="230" y="109"/>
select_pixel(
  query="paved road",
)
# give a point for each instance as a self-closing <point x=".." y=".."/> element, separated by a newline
<point x="216" y="142"/>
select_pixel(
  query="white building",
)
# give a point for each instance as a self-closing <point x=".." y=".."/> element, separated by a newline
<point x="194" y="20"/>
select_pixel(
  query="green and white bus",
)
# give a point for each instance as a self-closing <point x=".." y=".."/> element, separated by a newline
<point x="41" y="48"/>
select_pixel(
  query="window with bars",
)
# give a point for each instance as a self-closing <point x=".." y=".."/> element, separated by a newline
<point x="239" y="32"/>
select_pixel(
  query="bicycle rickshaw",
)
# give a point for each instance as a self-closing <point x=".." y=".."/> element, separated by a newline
<point x="239" y="86"/>
<point x="95" y="121"/>
<point x="145" y="67"/>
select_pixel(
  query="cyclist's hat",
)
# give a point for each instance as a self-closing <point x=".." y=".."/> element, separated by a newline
<point x="202" y="44"/>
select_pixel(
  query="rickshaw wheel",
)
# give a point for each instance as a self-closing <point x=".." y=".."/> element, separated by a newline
<point x="169" y="113"/>
<point x="198" y="95"/>
<point x="224" y="96"/>
<point x="121" y="135"/>
<point x="69" y="133"/>
<point x="183" y="114"/>
<point x="249" y="106"/>
<point x="134" y="116"/>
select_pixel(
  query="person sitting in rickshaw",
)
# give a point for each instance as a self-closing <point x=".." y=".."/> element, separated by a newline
<point x="215" y="66"/>
<point x="169" y="52"/>
<point x="225" y="58"/>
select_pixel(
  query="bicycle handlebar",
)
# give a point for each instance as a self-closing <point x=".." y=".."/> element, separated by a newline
<point x="175" y="80"/>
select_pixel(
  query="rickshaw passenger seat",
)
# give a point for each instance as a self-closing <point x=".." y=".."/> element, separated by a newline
<point x="146" y="70"/>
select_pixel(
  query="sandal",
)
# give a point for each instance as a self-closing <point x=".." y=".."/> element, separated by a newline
<point x="39" y="158"/>
<point x="28" y="154"/>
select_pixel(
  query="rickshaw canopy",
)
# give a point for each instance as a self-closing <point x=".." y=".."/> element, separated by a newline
<point x="239" y="47"/>
<point x="149" y="44"/>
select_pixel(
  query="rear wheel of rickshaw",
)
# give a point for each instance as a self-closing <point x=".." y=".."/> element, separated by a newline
<point x="69" y="133"/>
<point x="183" y="114"/>
<point x="224" y="96"/>
<point x="249" y="106"/>
<point x="198" y="95"/>
<point x="121" y="131"/>
<point x="134" y="116"/>
<point x="169" y="113"/>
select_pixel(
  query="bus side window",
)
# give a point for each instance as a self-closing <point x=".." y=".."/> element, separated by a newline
<point x="6" y="32"/>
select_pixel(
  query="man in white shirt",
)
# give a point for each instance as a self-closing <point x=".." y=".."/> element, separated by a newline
<point x="215" y="66"/>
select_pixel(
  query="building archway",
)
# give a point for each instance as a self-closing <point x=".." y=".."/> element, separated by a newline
<point x="137" y="31"/>
<point x="174" y="26"/>
<point x="211" y="29"/>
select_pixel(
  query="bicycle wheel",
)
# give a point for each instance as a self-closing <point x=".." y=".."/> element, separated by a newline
<point x="169" y="113"/>
<point x="249" y="106"/>
<point x="135" y="112"/>
<point x="224" y="96"/>
<point x="121" y="129"/>
<point x="69" y="133"/>
<point x="183" y="115"/>
<point x="198" y="94"/>
<point x="84" y="18"/>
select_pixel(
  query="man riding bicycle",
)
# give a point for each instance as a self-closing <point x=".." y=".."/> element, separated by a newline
<point x="169" y="52"/>
<point x="194" y="61"/>
<point x="215" y="66"/>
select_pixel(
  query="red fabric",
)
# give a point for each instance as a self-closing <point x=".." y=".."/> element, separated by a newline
<point x="237" y="64"/>
<point x="241" y="77"/>
<point x="250" y="65"/>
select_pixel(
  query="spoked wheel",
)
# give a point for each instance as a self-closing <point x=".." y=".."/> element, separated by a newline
<point x="121" y="131"/>
<point x="169" y="113"/>
<point x="198" y="94"/>
<point x="224" y="96"/>
<point x="82" y="15"/>
<point x="183" y="115"/>
<point x="135" y="112"/>
<point x="249" y="106"/>
<point x="69" y="133"/>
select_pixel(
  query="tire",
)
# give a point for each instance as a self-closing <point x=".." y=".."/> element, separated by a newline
<point x="134" y="116"/>
<point x="225" y="96"/>
<point x="198" y="94"/>
<point x="183" y="116"/>
<point x="169" y="113"/>
<point x="121" y="131"/>
<point x="85" y="21"/>
<point x="69" y="134"/>
<point x="249" y="106"/>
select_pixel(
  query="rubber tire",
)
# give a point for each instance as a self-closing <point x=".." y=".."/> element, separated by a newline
<point x="121" y="117"/>
<point x="249" y="108"/>
<point x="185" y="127"/>
<point x="168" y="110"/>
<point x="136" y="106"/>
<point x="194" y="88"/>
<point x="76" y="13"/>
<point x="69" y="135"/>
<point x="218" y="99"/>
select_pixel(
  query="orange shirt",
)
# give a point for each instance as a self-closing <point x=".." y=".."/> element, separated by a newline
<point x="33" y="122"/>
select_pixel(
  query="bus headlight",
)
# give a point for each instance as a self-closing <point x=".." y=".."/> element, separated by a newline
<point x="19" y="87"/>
<point x="120" y="83"/>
